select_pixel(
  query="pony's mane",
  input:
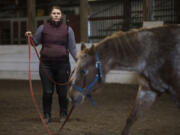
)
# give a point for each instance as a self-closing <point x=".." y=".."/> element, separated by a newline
<point x="115" y="36"/>
<point x="111" y="37"/>
<point x="119" y="34"/>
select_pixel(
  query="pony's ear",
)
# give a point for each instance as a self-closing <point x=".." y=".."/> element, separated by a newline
<point x="92" y="49"/>
<point x="83" y="46"/>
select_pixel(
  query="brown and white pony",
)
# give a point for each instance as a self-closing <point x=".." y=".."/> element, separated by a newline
<point x="153" y="53"/>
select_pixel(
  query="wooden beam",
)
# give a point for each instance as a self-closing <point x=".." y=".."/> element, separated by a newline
<point x="84" y="20"/>
<point x="102" y="18"/>
<point x="31" y="15"/>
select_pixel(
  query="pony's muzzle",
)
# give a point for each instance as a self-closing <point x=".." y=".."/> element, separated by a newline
<point x="78" y="99"/>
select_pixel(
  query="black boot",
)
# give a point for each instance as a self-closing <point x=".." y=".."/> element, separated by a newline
<point x="47" y="101"/>
<point x="47" y="117"/>
<point x="63" y="117"/>
<point x="63" y="111"/>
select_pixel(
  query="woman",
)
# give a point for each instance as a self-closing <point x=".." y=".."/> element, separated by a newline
<point x="57" y="41"/>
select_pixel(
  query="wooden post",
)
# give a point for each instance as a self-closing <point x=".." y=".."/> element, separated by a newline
<point x="177" y="11"/>
<point x="84" y="20"/>
<point x="31" y="15"/>
<point x="127" y="14"/>
<point x="147" y="8"/>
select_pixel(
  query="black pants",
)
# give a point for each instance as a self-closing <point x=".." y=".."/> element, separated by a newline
<point x="59" y="72"/>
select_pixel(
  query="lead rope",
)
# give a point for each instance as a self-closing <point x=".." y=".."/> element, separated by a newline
<point x="67" y="118"/>
<point x="32" y="93"/>
<point x="35" y="101"/>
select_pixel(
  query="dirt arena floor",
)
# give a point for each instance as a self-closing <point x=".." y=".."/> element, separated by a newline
<point x="113" y="103"/>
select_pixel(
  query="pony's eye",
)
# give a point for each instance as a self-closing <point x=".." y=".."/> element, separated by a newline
<point x="84" y="71"/>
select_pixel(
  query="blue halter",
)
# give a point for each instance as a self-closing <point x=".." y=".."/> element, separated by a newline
<point x="99" y="77"/>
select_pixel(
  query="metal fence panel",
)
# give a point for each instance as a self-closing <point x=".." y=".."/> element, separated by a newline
<point x="109" y="17"/>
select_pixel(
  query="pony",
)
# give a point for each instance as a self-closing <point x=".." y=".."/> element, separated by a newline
<point x="154" y="53"/>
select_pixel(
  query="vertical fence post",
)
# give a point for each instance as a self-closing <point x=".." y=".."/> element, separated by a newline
<point x="84" y="20"/>
<point x="31" y="15"/>
<point x="147" y="8"/>
<point x="177" y="11"/>
<point x="127" y="14"/>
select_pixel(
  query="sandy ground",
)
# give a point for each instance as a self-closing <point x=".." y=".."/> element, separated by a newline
<point x="113" y="104"/>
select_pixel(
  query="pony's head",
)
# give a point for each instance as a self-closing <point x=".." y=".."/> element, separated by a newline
<point x="86" y="76"/>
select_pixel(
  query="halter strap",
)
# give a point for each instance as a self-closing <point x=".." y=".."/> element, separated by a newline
<point x="99" y="68"/>
<point x="99" y="77"/>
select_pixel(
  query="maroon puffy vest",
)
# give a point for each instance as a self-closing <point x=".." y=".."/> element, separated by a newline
<point x="54" y="42"/>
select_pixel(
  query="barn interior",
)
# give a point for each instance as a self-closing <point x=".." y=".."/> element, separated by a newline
<point x="91" y="21"/>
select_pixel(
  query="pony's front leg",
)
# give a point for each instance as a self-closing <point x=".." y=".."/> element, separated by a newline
<point x="144" y="100"/>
